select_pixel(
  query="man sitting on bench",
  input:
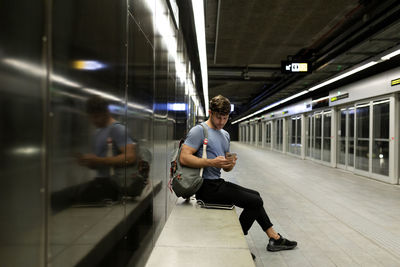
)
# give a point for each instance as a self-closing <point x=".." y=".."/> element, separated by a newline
<point x="215" y="189"/>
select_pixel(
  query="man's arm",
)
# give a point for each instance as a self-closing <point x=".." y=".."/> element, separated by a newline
<point x="188" y="159"/>
<point x="92" y="160"/>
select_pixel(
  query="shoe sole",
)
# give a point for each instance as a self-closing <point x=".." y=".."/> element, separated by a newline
<point x="279" y="248"/>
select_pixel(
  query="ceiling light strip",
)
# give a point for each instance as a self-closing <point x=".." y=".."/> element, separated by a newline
<point x="344" y="75"/>
<point x="390" y="55"/>
<point x="198" y="12"/>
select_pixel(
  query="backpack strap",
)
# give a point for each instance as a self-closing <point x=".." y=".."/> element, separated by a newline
<point x="205" y="143"/>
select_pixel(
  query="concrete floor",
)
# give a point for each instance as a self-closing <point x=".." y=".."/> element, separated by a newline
<point x="337" y="218"/>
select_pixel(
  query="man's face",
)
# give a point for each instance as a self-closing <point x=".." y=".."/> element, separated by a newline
<point x="99" y="119"/>
<point x="218" y="120"/>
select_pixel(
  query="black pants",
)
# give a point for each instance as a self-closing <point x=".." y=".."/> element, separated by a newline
<point x="222" y="192"/>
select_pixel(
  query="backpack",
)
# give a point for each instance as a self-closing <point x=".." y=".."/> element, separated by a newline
<point x="186" y="181"/>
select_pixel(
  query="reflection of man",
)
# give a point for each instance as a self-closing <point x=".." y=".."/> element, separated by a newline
<point x="110" y="135"/>
<point x="113" y="150"/>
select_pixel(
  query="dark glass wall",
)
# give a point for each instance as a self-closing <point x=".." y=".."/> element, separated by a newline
<point x="76" y="191"/>
<point x="23" y="116"/>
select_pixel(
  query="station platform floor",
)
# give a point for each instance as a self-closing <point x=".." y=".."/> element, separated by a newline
<point x="337" y="218"/>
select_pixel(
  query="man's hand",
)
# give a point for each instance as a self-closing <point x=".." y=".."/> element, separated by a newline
<point x="232" y="163"/>
<point x="188" y="159"/>
<point x="89" y="160"/>
<point x="220" y="162"/>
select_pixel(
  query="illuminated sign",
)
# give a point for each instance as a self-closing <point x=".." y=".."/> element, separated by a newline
<point x="338" y="97"/>
<point x="295" y="67"/>
<point x="395" y="82"/>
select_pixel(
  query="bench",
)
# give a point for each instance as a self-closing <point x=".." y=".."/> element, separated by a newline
<point x="194" y="236"/>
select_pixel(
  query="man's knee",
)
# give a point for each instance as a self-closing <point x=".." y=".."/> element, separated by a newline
<point x="255" y="202"/>
<point x="259" y="202"/>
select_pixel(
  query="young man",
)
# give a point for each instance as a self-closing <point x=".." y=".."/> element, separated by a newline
<point x="215" y="189"/>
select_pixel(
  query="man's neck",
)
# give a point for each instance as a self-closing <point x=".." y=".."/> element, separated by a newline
<point x="210" y="124"/>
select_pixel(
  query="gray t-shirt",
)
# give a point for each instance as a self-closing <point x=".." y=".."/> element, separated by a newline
<point x="116" y="132"/>
<point x="218" y="145"/>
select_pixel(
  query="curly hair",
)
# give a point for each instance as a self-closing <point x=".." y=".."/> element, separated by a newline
<point x="220" y="104"/>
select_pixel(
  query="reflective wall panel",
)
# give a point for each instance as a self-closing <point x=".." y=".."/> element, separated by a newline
<point x="22" y="136"/>
<point x="88" y="96"/>
<point x="88" y="59"/>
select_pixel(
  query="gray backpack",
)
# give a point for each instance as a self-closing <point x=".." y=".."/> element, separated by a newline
<point x="186" y="181"/>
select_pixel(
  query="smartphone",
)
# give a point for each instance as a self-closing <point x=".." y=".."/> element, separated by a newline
<point x="230" y="154"/>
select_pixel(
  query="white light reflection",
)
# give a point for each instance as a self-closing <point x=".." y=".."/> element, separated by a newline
<point x="26" y="151"/>
<point x="87" y="65"/>
<point x="114" y="98"/>
<point x="176" y="106"/>
<point x="102" y="94"/>
<point x="38" y="71"/>
<point x="25" y="66"/>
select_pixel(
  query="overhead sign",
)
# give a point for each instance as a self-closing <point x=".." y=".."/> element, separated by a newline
<point x="395" y="82"/>
<point x="295" y="67"/>
<point x="338" y="97"/>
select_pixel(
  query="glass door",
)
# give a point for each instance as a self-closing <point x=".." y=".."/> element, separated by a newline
<point x="342" y="137"/>
<point x="309" y="135"/>
<point x="345" y="146"/>
<point x="350" y="139"/>
<point x="326" y="149"/>
<point x="253" y="134"/>
<point x="268" y="129"/>
<point x="298" y="136"/>
<point x="362" y="137"/>
<point x="380" y="145"/>
<point x="317" y="137"/>
<point x="294" y="135"/>
<point x="278" y="134"/>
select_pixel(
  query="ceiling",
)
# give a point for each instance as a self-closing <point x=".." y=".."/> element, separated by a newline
<point x="246" y="41"/>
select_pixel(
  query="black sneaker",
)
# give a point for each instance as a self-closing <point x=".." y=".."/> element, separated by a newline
<point x="280" y="244"/>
